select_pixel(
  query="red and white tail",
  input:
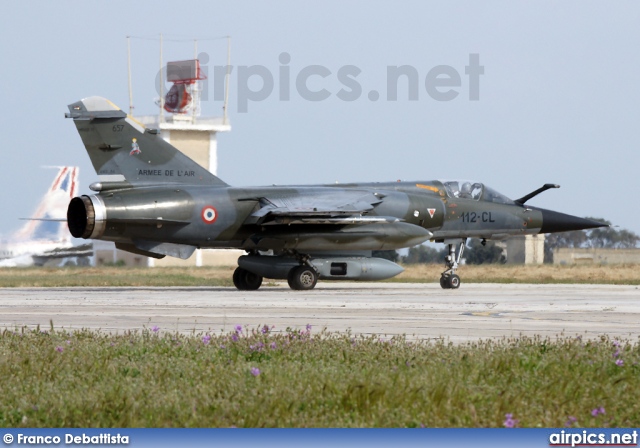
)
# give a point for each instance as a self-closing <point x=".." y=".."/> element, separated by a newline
<point x="48" y="222"/>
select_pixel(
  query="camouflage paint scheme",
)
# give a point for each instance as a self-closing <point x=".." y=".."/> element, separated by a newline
<point x="155" y="201"/>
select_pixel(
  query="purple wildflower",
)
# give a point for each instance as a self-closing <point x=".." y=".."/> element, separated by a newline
<point x="68" y="342"/>
<point x="206" y="338"/>
<point x="597" y="411"/>
<point x="571" y="421"/>
<point x="255" y="371"/>
<point x="265" y="329"/>
<point x="510" y="422"/>
<point x="234" y="337"/>
<point x="273" y="345"/>
<point x="155" y="328"/>
<point x="308" y="327"/>
<point x="60" y="349"/>
<point x="616" y="354"/>
<point x="238" y="328"/>
<point x="619" y="362"/>
<point x="616" y="343"/>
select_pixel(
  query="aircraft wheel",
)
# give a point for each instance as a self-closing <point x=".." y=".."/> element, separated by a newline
<point x="444" y="282"/>
<point x="245" y="280"/>
<point x="454" y="282"/>
<point x="302" y="278"/>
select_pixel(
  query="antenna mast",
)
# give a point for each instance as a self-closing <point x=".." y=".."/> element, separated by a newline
<point x="195" y="88"/>
<point x="129" y="71"/>
<point x="161" y="85"/>
<point x="226" y="81"/>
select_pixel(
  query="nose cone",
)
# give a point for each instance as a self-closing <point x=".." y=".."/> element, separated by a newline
<point x="560" y="222"/>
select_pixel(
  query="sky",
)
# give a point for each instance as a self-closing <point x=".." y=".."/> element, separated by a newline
<point x="557" y="100"/>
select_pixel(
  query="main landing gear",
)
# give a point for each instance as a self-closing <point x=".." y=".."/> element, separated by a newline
<point x="245" y="280"/>
<point x="302" y="277"/>
<point x="449" y="279"/>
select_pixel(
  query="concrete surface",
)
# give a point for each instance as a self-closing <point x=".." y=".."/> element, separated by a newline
<point x="475" y="311"/>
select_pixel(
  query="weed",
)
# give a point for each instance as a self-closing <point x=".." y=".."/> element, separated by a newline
<point x="267" y="377"/>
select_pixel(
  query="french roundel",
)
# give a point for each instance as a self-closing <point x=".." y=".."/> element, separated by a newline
<point x="209" y="214"/>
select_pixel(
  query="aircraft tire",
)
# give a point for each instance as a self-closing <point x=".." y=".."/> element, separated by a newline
<point x="245" y="280"/>
<point x="454" y="281"/>
<point x="444" y="282"/>
<point x="302" y="278"/>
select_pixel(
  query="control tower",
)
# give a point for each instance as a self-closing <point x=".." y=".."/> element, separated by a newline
<point x="179" y="119"/>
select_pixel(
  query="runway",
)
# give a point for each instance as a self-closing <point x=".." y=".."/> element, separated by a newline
<point x="421" y="311"/>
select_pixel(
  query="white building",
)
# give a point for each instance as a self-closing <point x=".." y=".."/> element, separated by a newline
<point x="525" y="249"/>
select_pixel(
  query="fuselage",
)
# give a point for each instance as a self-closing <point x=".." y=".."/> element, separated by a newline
<point x="222" y="217"/>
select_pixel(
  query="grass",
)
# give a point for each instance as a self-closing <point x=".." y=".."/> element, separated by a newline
<point x="303" y="378"/>
<point x="618" y="274"/>
<point x="114" y="276"/>
<point x="628" y="274"/>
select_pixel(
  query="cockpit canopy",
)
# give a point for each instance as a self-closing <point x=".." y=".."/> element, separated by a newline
<point x="465" y="189"/>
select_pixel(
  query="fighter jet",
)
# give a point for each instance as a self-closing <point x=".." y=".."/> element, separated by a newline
<point x="153" y="200"/>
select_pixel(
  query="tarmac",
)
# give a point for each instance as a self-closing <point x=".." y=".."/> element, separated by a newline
<point x="420" y="311"/>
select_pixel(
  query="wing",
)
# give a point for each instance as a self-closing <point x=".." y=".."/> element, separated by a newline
<point x="325" y="206"/>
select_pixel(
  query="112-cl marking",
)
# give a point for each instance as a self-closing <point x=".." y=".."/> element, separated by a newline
<point x="477" y="217"/>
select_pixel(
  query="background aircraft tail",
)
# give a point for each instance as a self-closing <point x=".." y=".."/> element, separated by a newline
<point x="123" y="151"/>
<point x="48" y="222"/>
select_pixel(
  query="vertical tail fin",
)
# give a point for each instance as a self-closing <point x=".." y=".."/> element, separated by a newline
<point x="48" y="222"/>
<point x="122" y="150"/>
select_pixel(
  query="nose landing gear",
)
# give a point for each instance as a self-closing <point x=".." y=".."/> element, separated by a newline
<point x="449" y="279"/>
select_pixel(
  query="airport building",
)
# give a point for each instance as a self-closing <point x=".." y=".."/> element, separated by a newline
<point x="594" y="256"/>
<point x="525" y="249"/>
